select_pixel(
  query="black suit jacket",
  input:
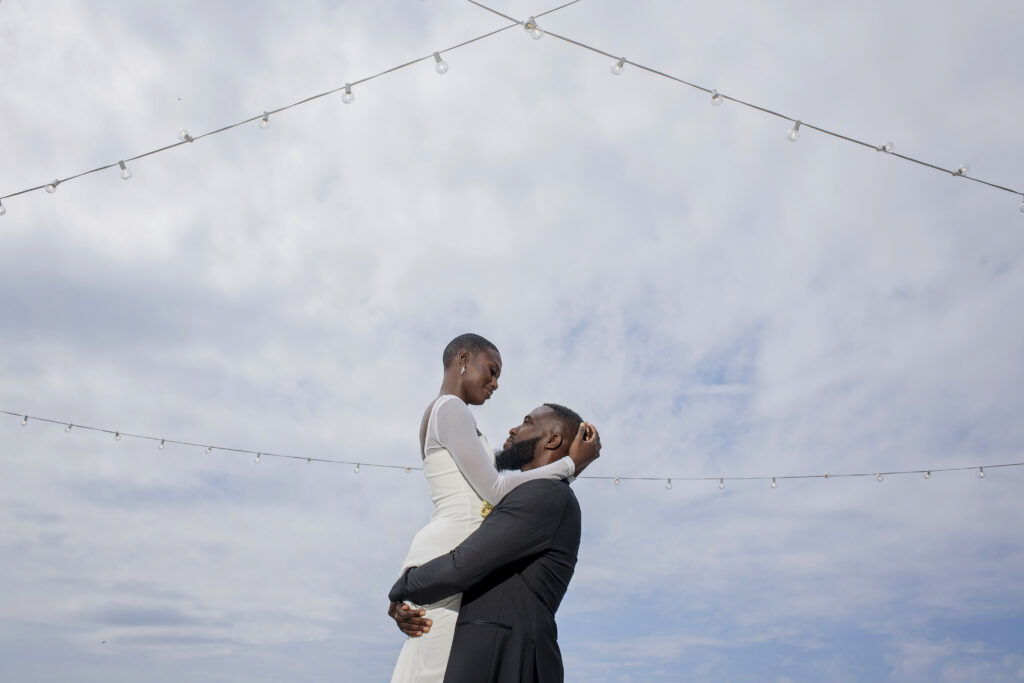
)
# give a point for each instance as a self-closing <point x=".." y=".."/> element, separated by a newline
<point x="513" y="572"/>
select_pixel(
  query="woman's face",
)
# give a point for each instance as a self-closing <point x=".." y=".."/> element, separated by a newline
<point x="481" y="377"/>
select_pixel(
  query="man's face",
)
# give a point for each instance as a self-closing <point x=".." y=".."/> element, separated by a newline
<point x="520" y="448"/>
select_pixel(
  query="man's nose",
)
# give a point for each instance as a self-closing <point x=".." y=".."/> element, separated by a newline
<point x="512" y="432"/>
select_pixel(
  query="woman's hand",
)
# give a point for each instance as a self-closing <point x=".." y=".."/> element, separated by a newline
<point x="586" y="447"/>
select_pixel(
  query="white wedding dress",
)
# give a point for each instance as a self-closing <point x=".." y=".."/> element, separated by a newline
<point x="460" y="470"/>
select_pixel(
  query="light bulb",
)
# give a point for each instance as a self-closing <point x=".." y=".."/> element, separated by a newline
<point x="716" y="99"/>
<point x="209" y="449"/>
<point x="125" y="173"/>
<point x="981" y="472"/>
<point x="24" y="421"/>
<point x="886" y="147"/>
<point x="530" y="26"/>
<point x="258" y="456"/>
<point x="309" y="460"/>
<point x="794" y="132"/>
<point x="117" y="436"/>
<point x="616" y="482"/>
<point x="440" y="66"/>
<point x="52" y="186"/>
<point x="265" y="120"/>
<point x="618" y="66"/>
<point x="721" y="483"/>
<point x="668" y="483"/>
<point x="826" y="475"/>
<point x="879" y="476"/>
<point x="347" y="97"/>
<point x="3" y="209"/>
<point x="408" y="470"/>
<point x="963" y="169"/>
<point x="183" y="135"/>
<point x="356" y="470"/>
<point x="68" y="428"/>
<point x="773" y="482"/>
<point x="161" y="446"/>
<point x="928" y="475"/>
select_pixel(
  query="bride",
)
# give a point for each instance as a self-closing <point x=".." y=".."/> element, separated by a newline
<point x="464" y="485"/>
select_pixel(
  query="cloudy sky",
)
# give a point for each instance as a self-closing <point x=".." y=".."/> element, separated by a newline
<point x="720" y="301"/>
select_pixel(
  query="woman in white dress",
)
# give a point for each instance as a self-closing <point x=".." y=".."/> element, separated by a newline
<point x="459" y="467"/>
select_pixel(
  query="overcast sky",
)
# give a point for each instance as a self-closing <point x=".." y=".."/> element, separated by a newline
<point x="720" y="301"/>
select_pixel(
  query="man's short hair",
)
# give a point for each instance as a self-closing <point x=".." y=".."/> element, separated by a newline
<point x="568" y="420"/>
<point x="473" y="343"/>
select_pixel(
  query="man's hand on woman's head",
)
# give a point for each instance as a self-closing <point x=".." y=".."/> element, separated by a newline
<point x="586" y="447"/>
<point x="411" y="622"/>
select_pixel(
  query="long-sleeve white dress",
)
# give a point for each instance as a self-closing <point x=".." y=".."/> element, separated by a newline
<point x="459" y="467"/>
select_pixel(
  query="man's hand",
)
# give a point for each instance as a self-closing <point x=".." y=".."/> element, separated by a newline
<point x="586" y="447"/>
<point x="411" y="622"/>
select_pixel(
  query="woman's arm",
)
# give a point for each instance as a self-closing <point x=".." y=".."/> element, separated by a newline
<point x="456" y="431"/>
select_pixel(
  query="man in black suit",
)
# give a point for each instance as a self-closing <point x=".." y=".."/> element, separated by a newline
<point x="514" y="570"/>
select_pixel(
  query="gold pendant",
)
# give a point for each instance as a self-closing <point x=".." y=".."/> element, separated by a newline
<point x="485" y="509"/>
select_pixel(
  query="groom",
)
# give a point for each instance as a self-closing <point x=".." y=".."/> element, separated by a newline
<point x="514" y="570"/>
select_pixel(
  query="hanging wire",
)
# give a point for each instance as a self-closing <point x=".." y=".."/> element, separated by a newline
<point x="265" y="114"/>
<point x="722" y="96"/>
<point x="208" y="448"/>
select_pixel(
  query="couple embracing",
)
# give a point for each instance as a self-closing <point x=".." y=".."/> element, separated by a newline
<point x="482" y="580"/>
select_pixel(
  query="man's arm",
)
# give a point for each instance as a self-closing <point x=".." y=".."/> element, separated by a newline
<point x="523" y="524"/>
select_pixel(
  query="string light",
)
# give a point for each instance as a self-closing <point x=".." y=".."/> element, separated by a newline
<point x="716" y="99"/>
<point x="962" y="170"/>
<point x="24" y="419"/>
<point x="258" y="456"/>
<point x="125" y="173"/>
<point x="530" y="26"/>
<point x="440" y="66"/>
<point x="886" y="147"/>
<point x="3" y="209"/>
<point x="618" y="66"/>
<point x="347" y="97"/>
<point x="183" y="135"/>
<point x="51" y="187"/>
<point x="265" y="120"/>
<point x="794" y="132"/>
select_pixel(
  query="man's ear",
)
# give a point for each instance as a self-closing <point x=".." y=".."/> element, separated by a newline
<point x="553" y="442"/>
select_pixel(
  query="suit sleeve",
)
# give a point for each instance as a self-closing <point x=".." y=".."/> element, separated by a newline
<point x="522" y="525"/>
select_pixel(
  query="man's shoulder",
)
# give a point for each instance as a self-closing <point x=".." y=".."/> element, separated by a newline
<point x="550" y="491"/>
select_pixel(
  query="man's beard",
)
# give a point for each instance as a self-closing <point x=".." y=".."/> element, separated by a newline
<point x="516" y="455"/>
